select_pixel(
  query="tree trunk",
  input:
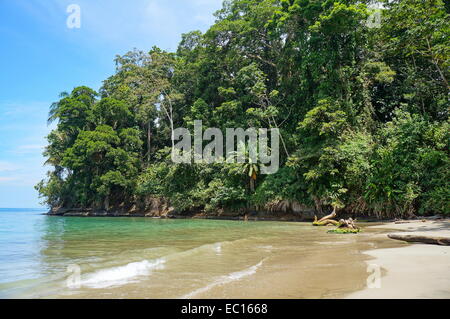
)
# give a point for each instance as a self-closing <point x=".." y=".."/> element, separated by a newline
<point x="149" y="141"/>
<point x="343" y="225"/>
<point x="252" y="185"/>
<point x="318" y="205"/>
<point x="107" y="202"/>
<point x="347" y="223"/>
<point x="436" y="64"/>
<point x="331" y="216"/>
<point x="425" y="239"/>
<point x="327" y="220"/>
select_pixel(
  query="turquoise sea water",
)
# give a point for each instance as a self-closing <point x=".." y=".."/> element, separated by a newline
<point x="144" y="257"/>
<point x="20" y="243"/>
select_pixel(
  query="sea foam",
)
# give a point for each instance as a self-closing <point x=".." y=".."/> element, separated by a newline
<point x="226" y="279"/>
<point x="123" y="274"/>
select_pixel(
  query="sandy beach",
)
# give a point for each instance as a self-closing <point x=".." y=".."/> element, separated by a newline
<point x="413" y="270"/>
<point x="190" y="259"/>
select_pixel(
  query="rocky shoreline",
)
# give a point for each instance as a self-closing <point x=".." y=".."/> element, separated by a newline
<point x="169" y="214"/>
<point x="288" y="215"/>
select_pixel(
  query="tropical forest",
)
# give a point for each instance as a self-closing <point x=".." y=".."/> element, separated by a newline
<point x="359" y="91"/>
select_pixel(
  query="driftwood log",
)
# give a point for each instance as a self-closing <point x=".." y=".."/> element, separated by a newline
<point x="425" y="239"/>
<point x="327" y="220"/>
<point x="348" y="223"/>
<point x="343" y="225"/>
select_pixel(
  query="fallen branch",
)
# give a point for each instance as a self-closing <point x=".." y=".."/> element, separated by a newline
<point x="332" y="215"/>
<point x="425" y="239"/>
<point x="348" y="223"/>
<point x="326" y="220"/>
<point x="344" y="226"/>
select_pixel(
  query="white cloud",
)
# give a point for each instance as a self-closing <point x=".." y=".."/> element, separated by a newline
<point x="12" y="109"/>
<point x="8" y="167"/>
<point x="21" y="180"/>
<point x="28" y="174"/>
<point x="29" y="149"/>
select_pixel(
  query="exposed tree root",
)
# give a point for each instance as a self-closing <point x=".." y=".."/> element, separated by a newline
<point x="327" y="220"/>
<point x="344" y="226"/>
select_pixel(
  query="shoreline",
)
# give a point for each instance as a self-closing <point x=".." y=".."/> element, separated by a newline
<point x="262" y="215"/>
<point x="160" y="213"/>
<point x="412" y="270"/>
<point x="408" y="270"/>
<point x="237" y="260"/>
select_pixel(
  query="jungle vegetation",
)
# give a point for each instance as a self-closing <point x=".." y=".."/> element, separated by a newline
<point x="363" y="111"/>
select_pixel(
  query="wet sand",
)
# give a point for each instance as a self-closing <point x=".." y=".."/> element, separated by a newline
<point x="347" y="266"/>
<point x="413" y="270"/>
<point x="236" y="260"/>
<point x="333" y="268"/>
<point x="304" y="262"/>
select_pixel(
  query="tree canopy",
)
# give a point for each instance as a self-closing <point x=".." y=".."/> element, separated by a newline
<point x="363" y="112"/>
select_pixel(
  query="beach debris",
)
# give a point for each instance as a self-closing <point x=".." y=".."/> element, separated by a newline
<point x="344" y="226"/>
<point x="422" y="238"/>
<point x="327" y="220"/>
<point x="408" y="221"/>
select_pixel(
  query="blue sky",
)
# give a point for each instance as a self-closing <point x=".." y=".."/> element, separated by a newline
<point x="41" y="57"/>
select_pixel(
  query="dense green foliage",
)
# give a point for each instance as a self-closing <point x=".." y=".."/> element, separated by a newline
<point x="363" y="111"/>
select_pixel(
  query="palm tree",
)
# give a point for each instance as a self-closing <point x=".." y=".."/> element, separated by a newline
<point x="252" y="169"/>
<point x="249" y="167"/>
<point x="55" y="108"/>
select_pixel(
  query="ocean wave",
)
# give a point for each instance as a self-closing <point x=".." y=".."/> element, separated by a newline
<point x="121" y="275"/>
<point x="226" y="280"/>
